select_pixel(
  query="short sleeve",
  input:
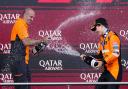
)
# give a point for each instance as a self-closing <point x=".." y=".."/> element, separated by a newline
<point x="22" y="31"/>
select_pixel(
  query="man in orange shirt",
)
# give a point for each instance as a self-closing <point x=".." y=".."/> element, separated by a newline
<point x="108" y="57"/>
<point x="20" y="43"/>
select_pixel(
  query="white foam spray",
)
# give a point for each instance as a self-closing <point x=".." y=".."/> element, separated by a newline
<point x="68" y="49"/>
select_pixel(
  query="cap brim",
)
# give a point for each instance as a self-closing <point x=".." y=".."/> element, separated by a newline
<point x="93" y="28"/>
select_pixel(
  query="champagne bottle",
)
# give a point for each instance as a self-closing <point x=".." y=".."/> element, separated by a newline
<point x="90" y="60"/>
<point x="39" y="47"/>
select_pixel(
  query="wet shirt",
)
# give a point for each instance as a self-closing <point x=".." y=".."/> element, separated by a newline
<point x="20" y="32"/>
<point x="109" y="46"/>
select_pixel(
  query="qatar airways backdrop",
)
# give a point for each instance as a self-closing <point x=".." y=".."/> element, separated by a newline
<point x="68" y="23"/>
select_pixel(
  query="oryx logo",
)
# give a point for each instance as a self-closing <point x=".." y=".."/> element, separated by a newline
<point x="9" y="18"/>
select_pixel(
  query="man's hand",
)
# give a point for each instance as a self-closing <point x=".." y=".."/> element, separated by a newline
<point x="46" y="39"/>
<point x="82" y="56"/>
<point x="100" y="64"/>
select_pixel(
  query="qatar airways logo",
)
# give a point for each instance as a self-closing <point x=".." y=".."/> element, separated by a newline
<point x="6" y="78"/>
<point x="54" y="34"/>
<point x="124" y="34"/>
<point x="9" y="18"/>
<point x="51" y="64"/>
<point x="124" y="63"/>
<point x="89" y="47"/>
<point x="5" y="48"/>
<point x="90" y="77"/>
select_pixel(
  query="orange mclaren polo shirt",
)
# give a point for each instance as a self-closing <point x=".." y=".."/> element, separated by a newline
<point x="20" y="32"/>
<point x="110" y="48"/>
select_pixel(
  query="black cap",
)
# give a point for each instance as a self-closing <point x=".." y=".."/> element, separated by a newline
<point x="99" y="21"/>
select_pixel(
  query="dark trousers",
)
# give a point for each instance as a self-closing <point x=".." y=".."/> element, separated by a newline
<point x="20" y="71"/>
<point x="107" y="77"/>
<point x="2" y="58"/>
